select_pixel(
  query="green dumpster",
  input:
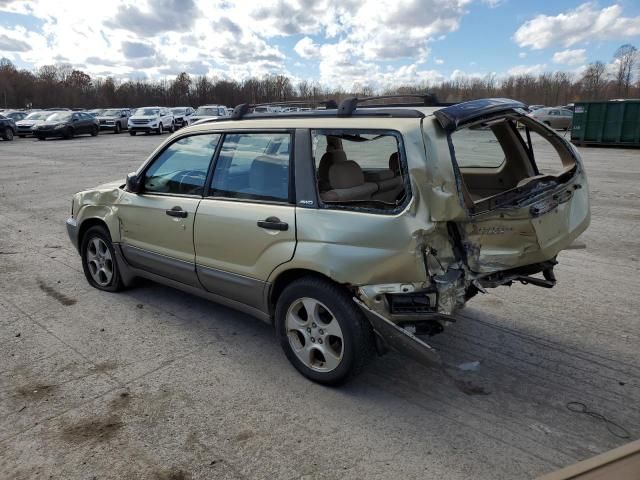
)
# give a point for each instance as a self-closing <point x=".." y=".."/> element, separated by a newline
<point x="606" y="123"/>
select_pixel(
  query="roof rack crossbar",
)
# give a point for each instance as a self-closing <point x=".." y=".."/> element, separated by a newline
<point x="348" y="105"/>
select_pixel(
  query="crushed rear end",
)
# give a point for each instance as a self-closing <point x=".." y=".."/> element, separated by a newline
<point x="501" y="210"/>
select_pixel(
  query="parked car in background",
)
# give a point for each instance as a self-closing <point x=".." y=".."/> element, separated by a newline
<point x="116" y="119"/>
<point x="209" y="112"/>
<point x="554" y="117"/>
<point x="151" y="119"/>
<point x="17" y="115"/>
<point x="182" y="116"/>
<point x="67" y="125"/>
<point x="96" y="112"/>
<point x="7" y="127"/>
<point x="535" y="107"/>
<point x="24" y="127"/>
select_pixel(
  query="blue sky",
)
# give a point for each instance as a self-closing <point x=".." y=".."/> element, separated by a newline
<point x="378" y="43"/>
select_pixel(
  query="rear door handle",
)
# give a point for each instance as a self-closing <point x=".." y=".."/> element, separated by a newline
<point x="273" y="223"/>
<point x="177" y="212"/>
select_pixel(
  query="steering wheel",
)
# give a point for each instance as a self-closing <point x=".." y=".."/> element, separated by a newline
<point x="187" y="187"/>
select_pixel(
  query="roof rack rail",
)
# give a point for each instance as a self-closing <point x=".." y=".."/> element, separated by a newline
<point x="242" y="109"/>
<point x="348" y="105"/>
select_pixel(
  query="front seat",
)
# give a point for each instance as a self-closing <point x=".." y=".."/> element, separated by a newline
<point x="268" y="177"/>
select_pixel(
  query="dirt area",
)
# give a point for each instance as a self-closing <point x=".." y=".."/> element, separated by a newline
<point x="153" y="383"/>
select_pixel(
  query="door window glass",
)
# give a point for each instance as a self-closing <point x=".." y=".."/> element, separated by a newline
<point x="182" y="167"/>
<point x="253" y="166"/>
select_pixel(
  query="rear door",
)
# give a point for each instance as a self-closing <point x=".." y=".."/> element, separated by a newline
<point x="246" y="225"/>
<point x="156" y="226"/>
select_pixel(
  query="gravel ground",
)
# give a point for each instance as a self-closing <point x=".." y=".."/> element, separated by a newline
<point x="153" y="383"/>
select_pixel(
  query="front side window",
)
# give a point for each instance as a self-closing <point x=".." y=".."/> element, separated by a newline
<point x="359" y="168"/>
<point x="181" y="168"/>
<point x="253" y="166"/>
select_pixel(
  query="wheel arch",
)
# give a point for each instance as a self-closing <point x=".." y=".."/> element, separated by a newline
<point x="87" y="224"/>
<point x="285" y="278"/>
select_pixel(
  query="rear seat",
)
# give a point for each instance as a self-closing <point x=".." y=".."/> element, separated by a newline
<point x="390" y="183"/>
<point x="347" y="183"/>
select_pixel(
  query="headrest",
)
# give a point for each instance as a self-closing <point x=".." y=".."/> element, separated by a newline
<point x="394" y="163"/>
<point x="334" y="156"/>
<point x="346" y="174"/>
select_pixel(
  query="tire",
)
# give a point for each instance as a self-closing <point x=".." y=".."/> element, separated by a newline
<point x="159" y="130"/>
<point x="68" y="133"/>
<point x="132" y="133"/>
<point x="303" y="338"/>
<point x="22" y="136"/>
<point x="95" y="131"/>
<point x="98" y="259"/>
<point x="173" y="127"/>
<point x="8" y="134"/>
<point x="116" y="129"/>
<point x="40" y="137"/>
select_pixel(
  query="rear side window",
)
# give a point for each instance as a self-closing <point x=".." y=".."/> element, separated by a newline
<point x="359" y="168"/>
<point x="253" y="166"/>
<point x="181" y="168"/>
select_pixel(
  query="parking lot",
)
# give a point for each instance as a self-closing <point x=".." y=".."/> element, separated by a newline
<point x="152" y="383"/>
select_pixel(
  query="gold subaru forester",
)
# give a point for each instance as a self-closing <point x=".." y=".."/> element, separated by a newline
<point x="352" y="229"/>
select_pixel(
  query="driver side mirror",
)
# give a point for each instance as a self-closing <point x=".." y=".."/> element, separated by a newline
<point x="134" y="183"/>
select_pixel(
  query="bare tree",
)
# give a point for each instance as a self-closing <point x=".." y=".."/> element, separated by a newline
<point x="626" y="58"/>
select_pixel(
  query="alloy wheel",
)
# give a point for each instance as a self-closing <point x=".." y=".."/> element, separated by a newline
<point x="99" y="261"/>
<point x="314" y="334"/>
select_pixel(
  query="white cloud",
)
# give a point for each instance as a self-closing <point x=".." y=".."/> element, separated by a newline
<point x="585" y="23"/>
<point x="306" y="48"/>
<point x="493" y="3"/>
<point x="522" y="55"/>
<point x="527" y="69"/>
<point x="570" y="57"/>
<point x="438" y="61"/>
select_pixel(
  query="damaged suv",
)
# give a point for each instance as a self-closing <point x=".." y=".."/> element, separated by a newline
<point x="351" y="229"/>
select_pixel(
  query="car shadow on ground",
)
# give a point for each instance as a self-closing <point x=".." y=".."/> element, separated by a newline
<point x="512" y="382"/>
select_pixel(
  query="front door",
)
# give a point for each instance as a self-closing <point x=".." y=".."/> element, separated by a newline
<point x="246" y="226"/>
<point x="156" y="225"/>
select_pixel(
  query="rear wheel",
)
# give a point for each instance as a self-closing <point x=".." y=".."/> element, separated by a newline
<point x="322" y="331"/>
<point x="8" y="134"/>
<point x="68" y="133"/>
<point x="99" y="260"/>
<point x="173" y="127"/>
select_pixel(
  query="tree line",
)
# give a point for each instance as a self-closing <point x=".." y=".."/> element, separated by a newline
<point x="63" y="86"/>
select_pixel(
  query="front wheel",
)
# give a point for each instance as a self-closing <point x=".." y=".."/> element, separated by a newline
<point x="94" y="131"/>
<point x="99" y="260"/>
<point x="116" y="129"/>
<point x="173" y="127"/>
<point x="322" y="331"/>
<point x="159" y="131"/>
<point x="8" y="134"/>
<point x="132" y="133"/>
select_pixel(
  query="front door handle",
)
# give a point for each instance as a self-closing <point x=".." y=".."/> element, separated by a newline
<point x="273" y="223"/>
<point x="177" y="212"/>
